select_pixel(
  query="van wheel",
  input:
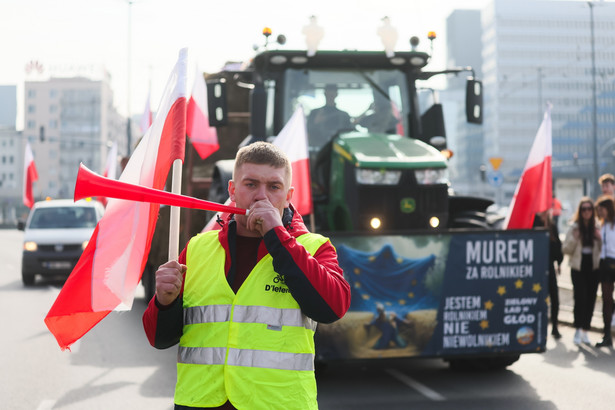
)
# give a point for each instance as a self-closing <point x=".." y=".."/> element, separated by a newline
<point x="27" y="278"/>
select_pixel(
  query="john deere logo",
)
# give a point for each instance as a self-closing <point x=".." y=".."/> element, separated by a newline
<point x="407" y="205"/>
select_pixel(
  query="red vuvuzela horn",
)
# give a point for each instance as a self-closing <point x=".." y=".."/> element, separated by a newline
<point x="89" y="183"/>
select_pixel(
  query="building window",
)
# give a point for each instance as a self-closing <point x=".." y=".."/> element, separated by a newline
<point x="53" y="93"/>
<point x="53" y="109"/>
<point x="53" y="124"/>
<point x="31" y="124"/>
<point x="31" y="93"/>
<point x="31" y="109"/>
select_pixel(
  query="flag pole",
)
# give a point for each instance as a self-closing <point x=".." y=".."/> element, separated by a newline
<point x="176" y="186"/>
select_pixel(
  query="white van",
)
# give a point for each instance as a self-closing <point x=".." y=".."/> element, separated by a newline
<point x="56" y="233"/>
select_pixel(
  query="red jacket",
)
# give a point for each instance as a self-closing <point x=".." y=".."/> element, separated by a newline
<point x="317" y="283"/>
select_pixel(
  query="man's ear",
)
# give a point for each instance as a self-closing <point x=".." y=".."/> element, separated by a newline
<point x="289" y="195"/>
<point x="231" y="190"/>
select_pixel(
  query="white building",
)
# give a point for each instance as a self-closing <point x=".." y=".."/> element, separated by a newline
<point x="534" y="52"/>
<point x="69" y="121"/>
<point x="11" y="176"/>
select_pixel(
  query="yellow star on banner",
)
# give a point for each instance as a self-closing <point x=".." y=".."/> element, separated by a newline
<point x="399" y="260"/>
<point x="501" y="290"/>
<point x="484" y="324"/>
<point x="411" y="295"/>
<point x="357" y="285"/>
<point x="488" y="305"/>
<point x="372" y="258"/>
<point x="365" y="296"/>
<point x="402" y="301"/>
<point x="357" y="271"/>
<point x="413" y="283"/>
<point x="519" y="284"/>
<point x="536" y="288"/>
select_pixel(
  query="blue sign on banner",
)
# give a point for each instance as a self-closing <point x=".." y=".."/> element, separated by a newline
<point x="441" y="295"/>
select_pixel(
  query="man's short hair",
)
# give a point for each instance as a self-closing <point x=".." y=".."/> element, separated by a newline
<point x="606" y="178"/>
<point x="263" y="153"/>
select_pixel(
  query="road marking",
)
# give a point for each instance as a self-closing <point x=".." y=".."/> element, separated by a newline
<point x="46" y="405"/>
<point x="421" y="388"/>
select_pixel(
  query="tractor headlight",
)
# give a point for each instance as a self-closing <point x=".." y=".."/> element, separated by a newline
<point x="30" y="246"/>
<point x="431" y="176"/>
<point x="375" y="223"/>
<point x="377" y="176"/>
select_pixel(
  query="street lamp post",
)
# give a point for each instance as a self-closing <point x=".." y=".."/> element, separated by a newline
<point x="594" y="183"/>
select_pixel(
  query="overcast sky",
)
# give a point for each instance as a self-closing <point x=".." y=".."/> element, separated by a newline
<point x="64" y="35"/>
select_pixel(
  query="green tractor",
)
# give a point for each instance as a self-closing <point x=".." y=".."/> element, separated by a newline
<point x="377" y="163"/>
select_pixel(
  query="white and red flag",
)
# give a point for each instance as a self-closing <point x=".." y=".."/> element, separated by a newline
<point x="146" y="118"/>
<point x="110" y="268"/>
<point x="203" y="137"/>
<point x="534" y="189"/>
<point x="293" y="141"/>
<point x="29" y="176"/>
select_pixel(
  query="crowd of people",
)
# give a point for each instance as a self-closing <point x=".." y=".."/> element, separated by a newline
<point x="589" y="244"/>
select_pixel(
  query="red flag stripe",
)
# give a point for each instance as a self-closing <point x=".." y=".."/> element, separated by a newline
<point x="530" y="198"/>
<point x="30" y="176"/>
<point x="203" y="137"/>
<point x="301" y="179"/>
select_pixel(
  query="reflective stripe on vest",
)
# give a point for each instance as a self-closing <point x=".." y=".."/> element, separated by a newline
<point x="247" y="358"/>
<point x="248" y="314"/>
<point x="234" y="345"/>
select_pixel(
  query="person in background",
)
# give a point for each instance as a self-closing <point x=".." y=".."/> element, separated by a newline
<point x="378" y="118"/>
<point x="243" y="302"/>
<point x="583" y="244"/>
<point x="607" y="184"/>
<point x="326" y="121"/>
<point x="556" y="206"/>
<point x="545" y="220"/>
<point x="606" y="213"/>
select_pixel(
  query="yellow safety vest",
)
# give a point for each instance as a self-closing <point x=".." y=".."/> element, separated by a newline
<point x="254" y="348"/>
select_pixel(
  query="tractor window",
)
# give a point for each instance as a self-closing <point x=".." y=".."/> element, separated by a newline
<point x="334" y="101"/>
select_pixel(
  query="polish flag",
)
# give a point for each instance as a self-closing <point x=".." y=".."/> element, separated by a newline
<point x="110" y="268"/>
<point x="293" y="141"/>
<point x="29" y="176"/>
<point x="146" y="117"/>
<point x="203" y="137"/>
<point x="534" y="190"/>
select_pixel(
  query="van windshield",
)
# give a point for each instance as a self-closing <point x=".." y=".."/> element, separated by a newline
<point x="63" y="217"/>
